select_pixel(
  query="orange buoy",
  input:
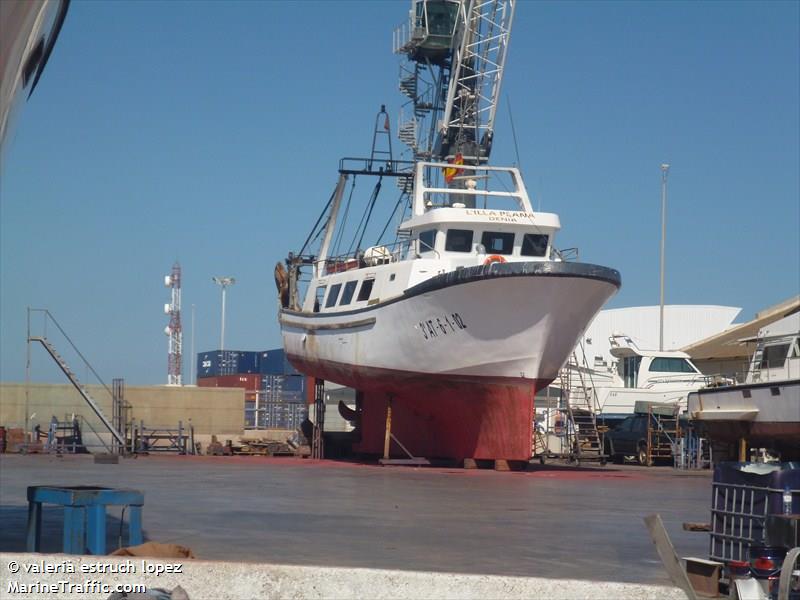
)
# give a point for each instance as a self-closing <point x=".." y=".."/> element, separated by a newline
<point x="494" y="258"/>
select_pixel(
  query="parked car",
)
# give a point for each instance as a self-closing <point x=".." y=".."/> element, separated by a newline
<point x="629" y="438"/>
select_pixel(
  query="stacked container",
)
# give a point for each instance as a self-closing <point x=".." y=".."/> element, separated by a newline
<point x="226" y="362"/>
<point x="275" y="393"/>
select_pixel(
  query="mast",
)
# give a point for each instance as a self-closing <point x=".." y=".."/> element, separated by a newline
<point x="330" y="226"/>
<point x="174" y="330"/>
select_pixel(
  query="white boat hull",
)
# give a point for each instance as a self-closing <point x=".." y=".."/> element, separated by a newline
<point x="459" y="356"/>
<point x="492" y="327"/>
<point x="765" y="414"/>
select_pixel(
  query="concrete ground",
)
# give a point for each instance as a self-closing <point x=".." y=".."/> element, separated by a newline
<point x="552" y="521"/>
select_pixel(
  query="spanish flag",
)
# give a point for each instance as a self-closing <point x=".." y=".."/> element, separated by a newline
<point x="451" y="172"/>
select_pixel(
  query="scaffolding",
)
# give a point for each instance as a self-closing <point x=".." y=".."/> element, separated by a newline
<point x="144" y="440"/>
<point x="663" y="432"/>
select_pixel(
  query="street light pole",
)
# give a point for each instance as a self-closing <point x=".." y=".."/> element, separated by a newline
<point x="664" y="172"/>
<point x="224" y="282"/>
<point x="193" y="378"/>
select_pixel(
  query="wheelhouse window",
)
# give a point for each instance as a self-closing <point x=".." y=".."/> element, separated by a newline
<point x="534" y="244"/>
<point x="630" y="370"/>
<point x="774" y="356"/>
<point x="365" y="291"/>
<point x="671" y="365"/>
<point x="458" y="240"/>
<point x="347" y="294"/>
<point x="320" y="296"/>
<point x="333" y="294"/>
<point x="497" y="242"/>
<point x="427" y="241"/>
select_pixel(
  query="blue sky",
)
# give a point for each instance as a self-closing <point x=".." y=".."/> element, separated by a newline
<point x="210" y="132"/>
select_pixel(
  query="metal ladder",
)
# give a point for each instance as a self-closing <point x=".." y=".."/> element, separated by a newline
<point x="62" y="364"/>
<point x="663" y="432"/>
<point x="755" y="366"/>
<point x="585" y="441"/>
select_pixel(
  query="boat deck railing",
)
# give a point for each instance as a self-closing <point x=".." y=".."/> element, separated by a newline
<point x="691" y="379"/>
<point x="362" y="259"/>
<point x="376" y="166"/>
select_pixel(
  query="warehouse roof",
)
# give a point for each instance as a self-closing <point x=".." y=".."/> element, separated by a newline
<point x="731" y="344"/>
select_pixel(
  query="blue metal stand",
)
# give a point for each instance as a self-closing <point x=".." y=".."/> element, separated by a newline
<point x="84" y="516"/>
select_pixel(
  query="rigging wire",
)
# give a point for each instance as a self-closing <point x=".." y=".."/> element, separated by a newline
<point x="343" y="223"/>
<point x="513" y="132"/>
<point x="313" y="229"/>
<point x="365" y="219"/>
<point x="391" y="217"/>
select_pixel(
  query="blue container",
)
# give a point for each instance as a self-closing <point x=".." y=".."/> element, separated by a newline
<point x="283" y="416"/>
<point x="291" y="397"/>
<point x="271" y="382"/>
<point x="294" y="383"/>
<point x="208" y="364"/>
<point x="246" y="362"/>
<point x="226" y="362"/>
<point x="289" y="383"/>
<point x="273" y="362"/>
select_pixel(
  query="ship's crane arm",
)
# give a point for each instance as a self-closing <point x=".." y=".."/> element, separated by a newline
<point x="456" y="52"/>
<point x="479" y="52"/>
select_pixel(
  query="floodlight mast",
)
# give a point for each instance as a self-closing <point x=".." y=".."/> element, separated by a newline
<point x="224" y="283"/>
<point x="664" y="173"/>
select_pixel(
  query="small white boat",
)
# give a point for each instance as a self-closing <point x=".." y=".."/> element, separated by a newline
<point x="643" y="376"/>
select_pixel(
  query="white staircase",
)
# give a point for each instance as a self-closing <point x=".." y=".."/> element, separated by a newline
<point x="82" y="389"/>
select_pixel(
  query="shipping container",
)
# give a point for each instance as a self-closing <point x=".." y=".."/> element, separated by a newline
<point x="282" y="415"/>
<point x="273" y="362"/>
<point x="226" y="362"/>
<point x="285" y="397"/>
<point x="281" y="396"/>
<point x="250" y="382"/>
<point x="290" y="383"/>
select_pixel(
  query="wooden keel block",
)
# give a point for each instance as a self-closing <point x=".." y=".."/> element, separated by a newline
<point x="501" y="464"/>
<point x="469" y="463"/>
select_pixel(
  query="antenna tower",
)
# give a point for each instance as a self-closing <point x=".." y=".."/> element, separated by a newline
<point x="174" y="330"/>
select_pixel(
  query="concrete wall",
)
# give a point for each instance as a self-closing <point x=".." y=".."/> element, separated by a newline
<point x="218" y="411"/>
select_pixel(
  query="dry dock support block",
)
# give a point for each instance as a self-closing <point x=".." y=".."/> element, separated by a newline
<point x="84" y="516"/>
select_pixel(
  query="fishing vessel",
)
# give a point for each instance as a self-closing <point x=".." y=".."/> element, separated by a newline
<point x="448" y="325"/>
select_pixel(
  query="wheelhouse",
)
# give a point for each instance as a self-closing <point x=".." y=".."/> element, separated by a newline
<point x="461" y="216"/>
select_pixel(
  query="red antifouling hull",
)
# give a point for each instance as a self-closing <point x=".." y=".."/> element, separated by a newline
<point x="462" y="420"/>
